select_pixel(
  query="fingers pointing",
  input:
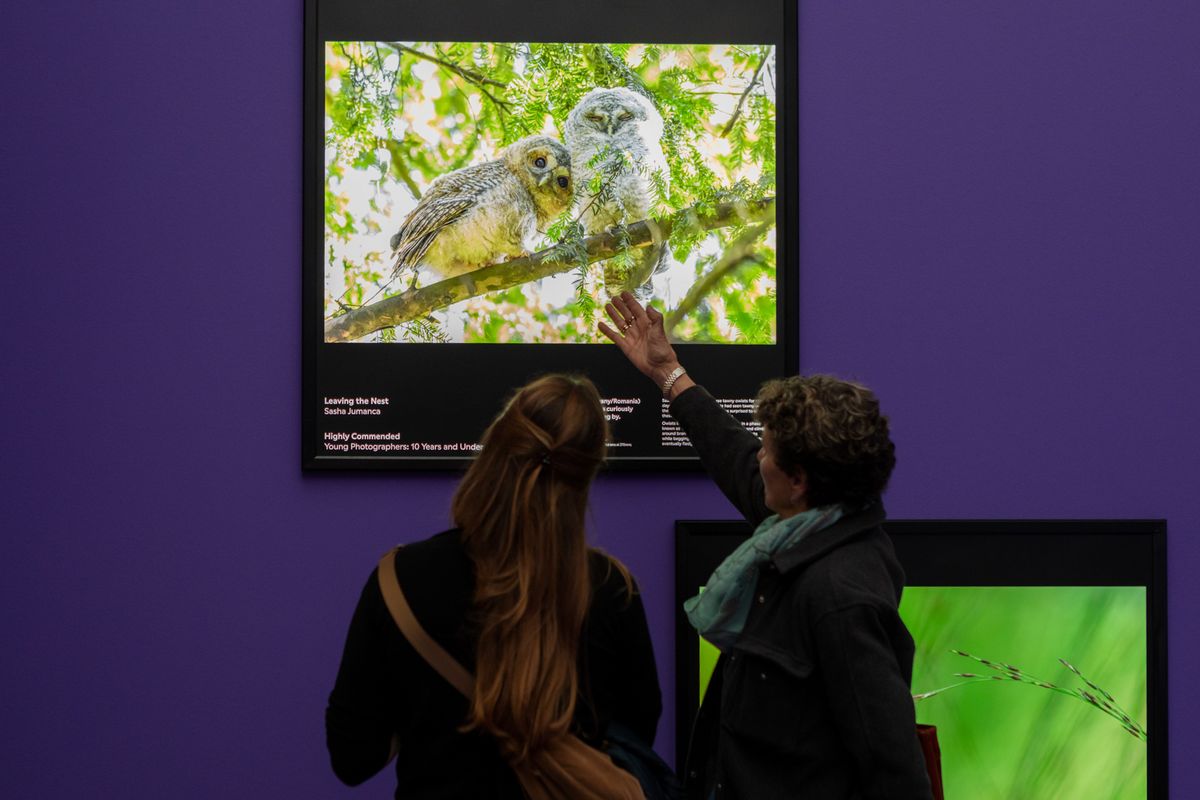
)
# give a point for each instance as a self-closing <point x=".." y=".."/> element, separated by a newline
<point x="611" y="334"/>
<point x="635" y="309"/>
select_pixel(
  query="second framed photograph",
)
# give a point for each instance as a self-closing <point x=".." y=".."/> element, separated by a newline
<point x="1040" y="650"/>
<point x="479" y="180"/>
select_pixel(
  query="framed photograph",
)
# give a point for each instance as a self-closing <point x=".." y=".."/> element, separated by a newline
<point x="480" y="178"/>
<point x="1041" y="653"/>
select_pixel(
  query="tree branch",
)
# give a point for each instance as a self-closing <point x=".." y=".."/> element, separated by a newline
<point x="607" y="66"/>
<point x="416" y="303"/>
<point x="741" y="251"/>
<point x="398" y="162"/>
<point x="737" y="112"/>
<point x="469" y="74"/>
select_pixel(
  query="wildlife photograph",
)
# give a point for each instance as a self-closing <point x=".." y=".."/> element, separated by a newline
<point x="501" y="192"/>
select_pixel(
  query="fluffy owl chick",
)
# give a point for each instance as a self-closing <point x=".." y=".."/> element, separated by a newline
<point x="485" y="213"/>
<point x="606" y="126"/>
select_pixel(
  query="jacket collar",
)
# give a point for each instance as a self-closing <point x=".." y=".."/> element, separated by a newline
<point x="818" y="544"/>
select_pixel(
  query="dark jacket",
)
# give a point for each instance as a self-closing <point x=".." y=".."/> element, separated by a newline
<point x="383" y="687"/>
<point x="813" y="699"/>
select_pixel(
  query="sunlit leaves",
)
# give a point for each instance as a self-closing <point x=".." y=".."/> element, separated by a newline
<point x="400" y="114"/>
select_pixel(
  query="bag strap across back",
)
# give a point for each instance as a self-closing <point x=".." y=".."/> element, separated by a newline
<point x="437" y="656"/>
<point x="567" y="767"/>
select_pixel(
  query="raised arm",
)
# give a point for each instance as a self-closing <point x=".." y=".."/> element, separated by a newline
<point x="642" y="339"/>
<point x="726" y="449"/>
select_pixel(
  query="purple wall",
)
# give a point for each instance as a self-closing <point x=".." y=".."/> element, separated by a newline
<point x="1000" y="234"/>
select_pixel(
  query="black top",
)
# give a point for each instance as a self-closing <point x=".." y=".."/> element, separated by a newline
<point x="813" y="698"/>
<point x="383" y="687"/>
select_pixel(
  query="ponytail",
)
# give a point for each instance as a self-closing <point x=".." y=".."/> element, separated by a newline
<point x="521" y="509"/>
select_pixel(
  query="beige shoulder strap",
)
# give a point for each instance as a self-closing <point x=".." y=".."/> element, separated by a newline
<point x="566" y="768"/>
<point x="442" y="662"/>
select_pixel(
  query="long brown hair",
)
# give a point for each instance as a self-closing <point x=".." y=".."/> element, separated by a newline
<point x="521" y="509"/>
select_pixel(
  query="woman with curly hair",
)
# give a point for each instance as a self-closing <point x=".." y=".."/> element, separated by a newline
<point x="551" y="633"/>
<point x="810" y="697"/>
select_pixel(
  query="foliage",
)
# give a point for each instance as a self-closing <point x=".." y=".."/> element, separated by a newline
<point x="1009" y="738"/>
<point x="398" y="115"/>
<point x="1094" y="695"/>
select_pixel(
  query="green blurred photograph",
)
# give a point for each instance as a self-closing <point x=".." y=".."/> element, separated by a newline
<point x="1036" y="692"/>
<point x="501" y="192"/>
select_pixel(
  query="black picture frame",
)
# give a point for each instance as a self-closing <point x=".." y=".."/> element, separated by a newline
<point x="450" y="392"/>
<point x="970" y="553"/>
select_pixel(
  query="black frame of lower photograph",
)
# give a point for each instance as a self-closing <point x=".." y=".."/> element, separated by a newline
<point x="1019" y="553"/>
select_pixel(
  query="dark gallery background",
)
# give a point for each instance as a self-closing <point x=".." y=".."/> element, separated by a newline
<point x="998" y="233"/>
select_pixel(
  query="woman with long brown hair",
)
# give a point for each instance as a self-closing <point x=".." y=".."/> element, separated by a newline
<point x="552" y="630"/>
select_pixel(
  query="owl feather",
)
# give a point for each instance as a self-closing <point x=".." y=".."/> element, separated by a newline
<point x="478" y="214"/>
<point x="604" y="129"/>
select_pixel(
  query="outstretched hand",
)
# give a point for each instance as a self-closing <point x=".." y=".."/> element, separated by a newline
<point x="641" y="337"/>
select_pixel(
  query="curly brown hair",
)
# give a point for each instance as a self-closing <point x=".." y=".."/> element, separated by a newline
<point x="831" y="429"/>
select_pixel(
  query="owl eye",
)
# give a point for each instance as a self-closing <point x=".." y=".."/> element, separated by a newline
<point x="539" y="162"/>
<point x="626" y="115"/>
<point x="562" y="181"/>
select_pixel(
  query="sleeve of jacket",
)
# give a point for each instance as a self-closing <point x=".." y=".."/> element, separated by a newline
<point x="871" y="703"/>
<point x="358" y="733"/>
<point x="727" y="450"/>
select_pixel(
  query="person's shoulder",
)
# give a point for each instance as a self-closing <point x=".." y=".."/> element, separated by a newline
<point x="861" y="571"/>
<point x="438" y="579"/>
<point x="434" y="555"/>
<point x="611" y="580"/>
<point x="448" y="542"/>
